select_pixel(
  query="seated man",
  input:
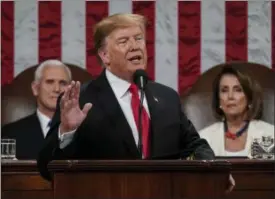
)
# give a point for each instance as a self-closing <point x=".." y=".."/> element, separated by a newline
<point x="50" y="80"/>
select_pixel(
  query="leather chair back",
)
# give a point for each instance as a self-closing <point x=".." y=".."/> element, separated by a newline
<point x="17" y="100"/>
<point x="197" y="104"/>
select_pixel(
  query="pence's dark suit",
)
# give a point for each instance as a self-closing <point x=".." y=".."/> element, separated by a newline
<point x="28" y="134"/>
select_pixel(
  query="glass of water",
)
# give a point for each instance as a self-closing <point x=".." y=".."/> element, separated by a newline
<point x="8" y="149"/>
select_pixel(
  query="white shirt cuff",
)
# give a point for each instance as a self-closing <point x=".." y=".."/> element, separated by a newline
<point x="66" y="138"/>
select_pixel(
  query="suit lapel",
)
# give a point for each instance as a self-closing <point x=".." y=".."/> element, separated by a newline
<point x="55" y="121"/>
<point x="252" y="132"/>
<point x="220" y="140"/>
<point x="155" y="105"/>
<point x="109" y="104"/>
<point x="36" y="132"/>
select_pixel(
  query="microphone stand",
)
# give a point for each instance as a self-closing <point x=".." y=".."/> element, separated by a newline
<point x="140" y="144"/>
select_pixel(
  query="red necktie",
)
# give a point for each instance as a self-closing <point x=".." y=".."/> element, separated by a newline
<point x="144" y="117"/>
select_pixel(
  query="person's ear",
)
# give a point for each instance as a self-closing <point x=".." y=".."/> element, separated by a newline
<point x="104" y="55"/>
<point x="35" y="89"/>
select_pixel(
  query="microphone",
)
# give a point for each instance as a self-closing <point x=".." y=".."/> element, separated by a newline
<point x="140" y="78"/>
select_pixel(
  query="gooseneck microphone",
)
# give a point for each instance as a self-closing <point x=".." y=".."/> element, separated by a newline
<point x="140" y="78"/>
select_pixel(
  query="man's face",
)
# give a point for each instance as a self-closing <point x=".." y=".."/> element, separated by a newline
<point x="53" y="82"/>
<point x="125" y="51"/>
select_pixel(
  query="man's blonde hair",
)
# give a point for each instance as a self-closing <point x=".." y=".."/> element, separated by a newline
<point x="121" y="20"/>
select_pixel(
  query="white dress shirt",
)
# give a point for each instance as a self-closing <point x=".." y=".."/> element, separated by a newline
<point x="44" y="122"/>
<point x="123" y="95"/>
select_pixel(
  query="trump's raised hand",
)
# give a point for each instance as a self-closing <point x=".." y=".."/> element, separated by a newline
<point x="71" y="114"/>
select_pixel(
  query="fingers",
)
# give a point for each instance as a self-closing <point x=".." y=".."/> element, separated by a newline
<point x="72" y="90"/>
<point x="231" y="185"/>
<point x="229" y="189"/>
<point x="65" y="96"/>
<point x="86" y="108"/>
<point x="71" y="95"/>
<point x="77" y="90"/>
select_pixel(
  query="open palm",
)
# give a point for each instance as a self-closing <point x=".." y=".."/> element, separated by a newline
<point x="71" y="114"/>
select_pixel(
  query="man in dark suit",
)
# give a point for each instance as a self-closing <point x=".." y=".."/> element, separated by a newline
<point x="50" y="80"/>
<point x="100" y="122"/>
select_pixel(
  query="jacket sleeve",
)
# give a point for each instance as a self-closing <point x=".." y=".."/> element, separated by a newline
<point x="51" y="149"/>
<point x="192" y="145"/>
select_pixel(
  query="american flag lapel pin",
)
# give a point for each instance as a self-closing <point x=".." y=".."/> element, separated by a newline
<point x="156" y="99"/>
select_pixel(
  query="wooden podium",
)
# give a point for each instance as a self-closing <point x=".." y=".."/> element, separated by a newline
<point x="142" y="179"/>
<point x="254" y="180"/>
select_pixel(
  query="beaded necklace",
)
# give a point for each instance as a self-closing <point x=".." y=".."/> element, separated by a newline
<point x="233" y="136"/>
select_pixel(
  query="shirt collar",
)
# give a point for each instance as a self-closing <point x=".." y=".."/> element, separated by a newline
<point x="119" y="86"/>
<point x="44" y="119"/>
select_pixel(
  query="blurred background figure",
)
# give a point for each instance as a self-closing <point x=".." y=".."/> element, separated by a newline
<point x="50" y="80"/>
<point x="237" y="102"/>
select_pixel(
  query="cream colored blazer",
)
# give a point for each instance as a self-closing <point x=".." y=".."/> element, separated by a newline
<point x="214" y="134"/>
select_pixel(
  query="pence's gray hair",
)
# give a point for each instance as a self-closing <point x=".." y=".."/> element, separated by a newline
<point x="50" y="63"/>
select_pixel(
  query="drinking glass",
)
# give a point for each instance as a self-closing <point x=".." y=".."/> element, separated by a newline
<point x="8" y="149"/>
